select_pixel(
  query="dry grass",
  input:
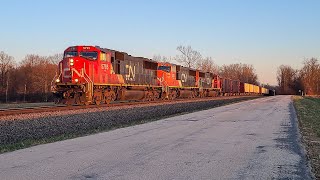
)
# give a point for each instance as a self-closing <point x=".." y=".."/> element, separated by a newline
<point x="308" y="111"/>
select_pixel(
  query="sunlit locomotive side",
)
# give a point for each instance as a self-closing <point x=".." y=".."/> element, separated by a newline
<point x="89" y="74"/>
<point x="182" y="82"/>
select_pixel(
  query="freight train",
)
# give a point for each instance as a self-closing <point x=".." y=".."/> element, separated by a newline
<point x="93" y="75"/>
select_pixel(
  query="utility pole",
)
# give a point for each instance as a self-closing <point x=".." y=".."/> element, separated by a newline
<point x="45" y="85"/>
<point x="45" y="90"/>
<point x="7" y="87"/>
<point x="25" y="92"/>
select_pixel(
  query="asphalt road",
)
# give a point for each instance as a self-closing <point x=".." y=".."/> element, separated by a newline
<point x="256" y="139"/>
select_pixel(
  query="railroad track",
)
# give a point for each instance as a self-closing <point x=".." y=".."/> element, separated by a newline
<point x="54" y="108"/>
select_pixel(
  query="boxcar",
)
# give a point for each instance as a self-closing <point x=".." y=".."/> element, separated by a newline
<point x="251" y="88"/>
<point x="246" y="88"/>
<point x="256" y="89"/>
<point x="226" y="86"/>
<point x="235" y="86"/>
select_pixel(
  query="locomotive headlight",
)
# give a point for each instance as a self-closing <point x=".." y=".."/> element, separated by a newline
<point x="71" y="62"/>
<point x="76" y="80"/>
<point x="57" y="80"/>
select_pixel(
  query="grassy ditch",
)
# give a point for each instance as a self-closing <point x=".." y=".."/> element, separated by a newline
<point x="308" y="112"/>
<point x="20" y="134"/>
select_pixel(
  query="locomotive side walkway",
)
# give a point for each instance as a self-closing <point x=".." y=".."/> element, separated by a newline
<point x="256" y="139"/>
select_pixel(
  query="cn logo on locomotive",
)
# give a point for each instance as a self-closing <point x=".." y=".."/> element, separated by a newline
<point x="131" y="73"/>
<point x="184" y="77"/>
<point x="208" y="80"/>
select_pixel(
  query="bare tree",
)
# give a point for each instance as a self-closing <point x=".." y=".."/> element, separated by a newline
<point x="35" y="74"/>
<point x="243" y="72"/>
<point x="310" y="76"/>
<point x="6" y="65"/>
<point x="286" y="77"/>
<point x="188" y="56"/>
<point x="207" y="65"/>
<point x="55" y="59"/>
<point x="160" y="58"/>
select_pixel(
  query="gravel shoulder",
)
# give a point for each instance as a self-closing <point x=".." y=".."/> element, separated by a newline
<point x="23" y="131"/>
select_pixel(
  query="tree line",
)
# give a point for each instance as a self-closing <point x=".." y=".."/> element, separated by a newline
<point x="300" y="81"/>
<point x="191" y="58"/>
<point x="28" y="80"/>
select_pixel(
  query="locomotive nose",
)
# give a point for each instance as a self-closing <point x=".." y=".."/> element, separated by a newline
<point x="66" y="69"/>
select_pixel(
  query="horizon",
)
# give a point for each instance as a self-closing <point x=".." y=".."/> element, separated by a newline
<point x="264" y="34"/>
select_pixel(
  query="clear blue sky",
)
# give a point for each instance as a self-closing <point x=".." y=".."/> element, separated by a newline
<point x="263" y="33"/>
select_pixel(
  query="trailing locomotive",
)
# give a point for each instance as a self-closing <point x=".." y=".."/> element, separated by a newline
<point x="94" y="75"/>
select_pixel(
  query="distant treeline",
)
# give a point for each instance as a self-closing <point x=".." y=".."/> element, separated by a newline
<point x="191" y="58"/>
<point x="299" y="81"/>
<point x="29" y="80"/>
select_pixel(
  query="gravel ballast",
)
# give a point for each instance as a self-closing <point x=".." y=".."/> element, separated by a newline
<point x="20" y="133"/>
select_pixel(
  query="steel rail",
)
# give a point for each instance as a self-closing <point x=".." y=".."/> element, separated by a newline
<point x="54" y="108"/>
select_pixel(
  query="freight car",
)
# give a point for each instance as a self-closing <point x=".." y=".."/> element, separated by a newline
<point x="94" y="75"/>
<point x="226" y="88"/>
<point x="235" y="87"/>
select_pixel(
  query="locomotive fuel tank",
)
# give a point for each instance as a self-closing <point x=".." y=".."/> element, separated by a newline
<point x="212" y="93"/>
<point x="132" y="94"/>
<point x="185" y="93"/>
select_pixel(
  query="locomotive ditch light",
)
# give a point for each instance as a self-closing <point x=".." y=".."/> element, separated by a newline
<point x="57" y="80"/>
<point x="71" y="62"/>
<point x="76" y="80"/>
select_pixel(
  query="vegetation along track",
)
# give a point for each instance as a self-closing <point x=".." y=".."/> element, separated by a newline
<point x="53" y="108"/>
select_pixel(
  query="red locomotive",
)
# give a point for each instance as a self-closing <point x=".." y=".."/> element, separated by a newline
<point x="94" y="75"/>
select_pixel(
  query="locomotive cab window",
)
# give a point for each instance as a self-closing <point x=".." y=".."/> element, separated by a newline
<point x="70" y="54"/>
<point x="201" y="74"/>
<point x="165" y="68"/>
<point x="92" y="55"/>
<point x="192" y="73"/>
